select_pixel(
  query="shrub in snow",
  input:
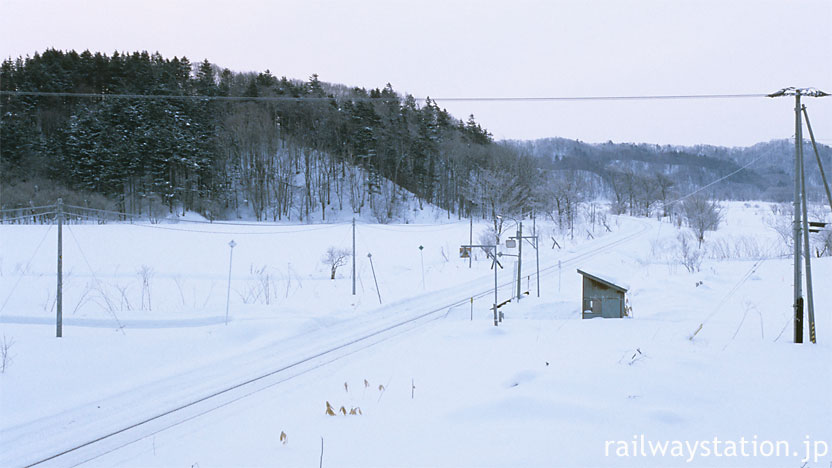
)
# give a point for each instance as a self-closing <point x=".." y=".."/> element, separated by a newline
<point x="145" y="274"/>
<point x="689" y="256"/>
<point x="5" y="354"/>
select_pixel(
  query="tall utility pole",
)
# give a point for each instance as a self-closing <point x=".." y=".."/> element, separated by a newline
<point x="800" y="222"/>
<point x="59" y="293"/>
<point x="353" y="255"/>
<point x="798" y="280"/>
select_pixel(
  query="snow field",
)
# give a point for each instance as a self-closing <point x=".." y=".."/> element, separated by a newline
<point x="484" y="396"/>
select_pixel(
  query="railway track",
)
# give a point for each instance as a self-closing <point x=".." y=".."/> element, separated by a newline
<point x="112" y="440"/>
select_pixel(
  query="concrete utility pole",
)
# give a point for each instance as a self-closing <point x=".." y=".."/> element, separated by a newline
<point x="536" y="254"/>
<point x="59" y="293"/>
<point x="470" y="239"/>
<point x="800" y="221"/>
<point x="533" y="240"/>
<point x="798" y="280"/>
<point x="519" y="257"/>
<point x="495" y="284"/>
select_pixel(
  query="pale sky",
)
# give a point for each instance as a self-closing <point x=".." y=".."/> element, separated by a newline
<point x="484" y="48"/>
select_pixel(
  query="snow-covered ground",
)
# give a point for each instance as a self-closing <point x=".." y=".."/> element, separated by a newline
<point x="144" y="333"/>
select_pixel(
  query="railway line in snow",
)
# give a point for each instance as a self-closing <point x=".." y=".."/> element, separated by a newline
<point x="46" y="442"/>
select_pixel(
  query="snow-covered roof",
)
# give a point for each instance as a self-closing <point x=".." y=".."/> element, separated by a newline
<point x="607" y="280"/>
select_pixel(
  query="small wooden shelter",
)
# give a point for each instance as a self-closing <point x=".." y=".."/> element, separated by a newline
<point x="602" y="297"/>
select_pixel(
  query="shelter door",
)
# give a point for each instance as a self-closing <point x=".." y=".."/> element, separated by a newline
<point x="611" y="308"/>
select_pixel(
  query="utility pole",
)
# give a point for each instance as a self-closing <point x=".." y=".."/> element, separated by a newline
<point x="496" y="264"/>
<point x="470" y="238"/>
<point x="536" y="253"/>
<point x="519" y="257"/>
<point x="798" y="280"/>
<point x="800" y="214"/>
<point x="353" y="255"/>
<point x="533" y="240"/>
<point x="59" y="293"/>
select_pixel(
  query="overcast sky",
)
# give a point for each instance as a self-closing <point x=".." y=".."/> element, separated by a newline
<point x="454" y="48"/>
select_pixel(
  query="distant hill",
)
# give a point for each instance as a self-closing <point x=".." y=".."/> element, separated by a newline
<point x="769" y="176"/>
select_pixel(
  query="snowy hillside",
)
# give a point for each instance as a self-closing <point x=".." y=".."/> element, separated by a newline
<point x="148" y="373"/>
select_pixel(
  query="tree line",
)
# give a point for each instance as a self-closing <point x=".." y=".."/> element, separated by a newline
<point x="320" y="147"/>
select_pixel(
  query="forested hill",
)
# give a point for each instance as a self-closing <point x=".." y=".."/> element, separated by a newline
<point x="316" y="147"/>
<point x="147" y="135"/>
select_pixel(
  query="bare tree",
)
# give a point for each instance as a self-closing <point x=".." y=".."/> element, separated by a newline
<point x="335" y="258"/>
<point x="701" y="214"/>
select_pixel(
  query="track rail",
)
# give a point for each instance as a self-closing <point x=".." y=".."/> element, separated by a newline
<point x="177" y="415"/>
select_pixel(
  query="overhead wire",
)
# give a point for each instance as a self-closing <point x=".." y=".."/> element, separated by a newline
<point x="305" y="227"/>
<point x="642" y="97"/>
<point x="6" y="210"/>
<point x="715" y="182"/>
<point x="200" y="231"/>
<point x="29" y="216"/>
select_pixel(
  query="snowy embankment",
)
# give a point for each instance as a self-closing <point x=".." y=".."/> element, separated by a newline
<point x="144" y="332"/>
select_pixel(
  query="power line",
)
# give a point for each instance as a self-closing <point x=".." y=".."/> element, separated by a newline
<point x="201" y="221"/>
<point x="200" y="231"/>
<point x="383" y="99"/>
<point x="714" y="182"/>
<point x="23" y="208"/>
